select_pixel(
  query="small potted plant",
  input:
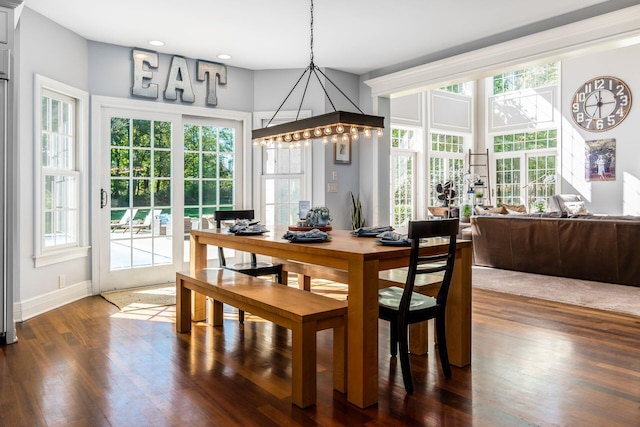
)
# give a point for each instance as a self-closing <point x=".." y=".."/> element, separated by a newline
<point x="466" y="212"/>
<point x="318" y="216"/>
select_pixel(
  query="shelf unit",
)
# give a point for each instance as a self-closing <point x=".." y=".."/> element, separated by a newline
<point x="478" y="163"/>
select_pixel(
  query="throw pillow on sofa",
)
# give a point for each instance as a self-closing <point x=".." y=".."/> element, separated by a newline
<point x="575" y="208"/>
<point x="514" y="209"/>
<point x="481" y="210"/>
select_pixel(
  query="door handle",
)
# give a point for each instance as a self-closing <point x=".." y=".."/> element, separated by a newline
<point x="103" y="198"/>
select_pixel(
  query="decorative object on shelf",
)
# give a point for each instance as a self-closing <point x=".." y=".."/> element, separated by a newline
<point x="336" y="126"/>
<point x="318" y="216"/>
<point x="357" y="218"/>
<point x="601" y="104"/>
<point x="600" y="162"/>
<point x="446" y="193"/>
<point x="470" y="179"/>
<point x="479" y="197"/>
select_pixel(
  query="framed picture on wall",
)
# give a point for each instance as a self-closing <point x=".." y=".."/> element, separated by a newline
<point x="342" y="152"/>
<point x="600" y="162"/>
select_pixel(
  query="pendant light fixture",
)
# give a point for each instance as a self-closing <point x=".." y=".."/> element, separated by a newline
<point x="330" y="126"/>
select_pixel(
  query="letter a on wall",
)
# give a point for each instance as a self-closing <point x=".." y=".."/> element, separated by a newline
<point x="179" y="79"/>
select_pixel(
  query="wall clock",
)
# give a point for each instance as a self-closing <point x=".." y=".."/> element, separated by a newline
<point x="601" y="104"/>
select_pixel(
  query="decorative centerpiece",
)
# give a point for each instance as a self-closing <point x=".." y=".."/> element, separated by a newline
<point x="318" y="216"/>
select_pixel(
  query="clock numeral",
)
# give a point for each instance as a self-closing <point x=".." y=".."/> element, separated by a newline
<point x="581" y="97"/>
<point x="575" y="107"/>
<point x="599" y="124"/>
<point x="619" y="90"/>
<point x="587" y="88"/>
<point x="580" y="117"/>
<point x="599" y="84"/>
<point x="620" y="112"/>
<point x="624" y="100"/>
<point x="611" y="121"/>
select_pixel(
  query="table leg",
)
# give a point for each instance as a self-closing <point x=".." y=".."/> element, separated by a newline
<point x="459" y="310"/>
<point x="362" y="335"/>
<point x="197" y="261"/>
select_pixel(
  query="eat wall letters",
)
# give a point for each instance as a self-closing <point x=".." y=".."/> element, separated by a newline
<point x="178" y="78"/>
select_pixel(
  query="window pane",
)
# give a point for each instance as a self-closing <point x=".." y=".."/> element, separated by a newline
<point x="141" y="133"/>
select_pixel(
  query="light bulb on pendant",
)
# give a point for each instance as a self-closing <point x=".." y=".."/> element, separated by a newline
<point x="354" y="130"/>
<point x="355" y="136"/>
<point x="325" y="140"/>
<point x="334" y="138"/>
<point x="296" y="136"/>
<point x="317" y="132"/>
<point x="306" y="134"/>
<point x="307" y="143"/>
<point x="256" y="142"/>
<point x="380" y="132"/>
<point x="345" y="137"/>
<point x="279" y="139"/>
<point x="287" y="137"/>
<point x="367" y="133"/>
<point x="339" y="128"/>
<point x="327" y="130"/>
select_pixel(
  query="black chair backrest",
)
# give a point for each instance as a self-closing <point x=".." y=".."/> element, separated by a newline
<point x="220" y="216"/>
<point x="427" y="264"/>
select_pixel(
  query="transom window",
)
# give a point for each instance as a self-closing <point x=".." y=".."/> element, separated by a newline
<point x="526" y="78"/>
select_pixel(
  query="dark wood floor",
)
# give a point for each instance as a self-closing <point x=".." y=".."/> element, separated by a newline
<point x="534" y="363"/>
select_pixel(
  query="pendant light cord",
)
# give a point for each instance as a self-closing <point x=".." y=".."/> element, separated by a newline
<point x="312" y="68"/>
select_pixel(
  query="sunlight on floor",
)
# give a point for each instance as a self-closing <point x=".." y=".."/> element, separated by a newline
<point x="167" y="313"/>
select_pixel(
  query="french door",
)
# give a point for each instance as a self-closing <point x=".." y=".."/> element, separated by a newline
<point x="162" y="175"/>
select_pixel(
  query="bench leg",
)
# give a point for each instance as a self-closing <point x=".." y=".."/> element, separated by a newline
<point x="304" y="282"/>
<point x="216" y="312"/>
<point x="303" y="371"/>
<point x="183" y="307"/>
<point x="340" y="359"/>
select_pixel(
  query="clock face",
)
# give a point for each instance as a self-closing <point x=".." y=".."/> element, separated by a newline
<point x="601" y="104"/>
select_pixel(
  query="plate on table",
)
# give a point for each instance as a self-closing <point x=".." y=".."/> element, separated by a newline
<point x="309" y="240"/>
<point x="367" y="234"/>
<point x="250" y="233"/>
<point x="394" y="242"/>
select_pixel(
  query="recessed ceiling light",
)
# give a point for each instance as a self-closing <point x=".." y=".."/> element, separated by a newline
<point x="224" y="56"/>
<point x="156" y="43"/>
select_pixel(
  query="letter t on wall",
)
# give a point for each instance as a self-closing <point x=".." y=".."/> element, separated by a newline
<point x="214" y="74"/>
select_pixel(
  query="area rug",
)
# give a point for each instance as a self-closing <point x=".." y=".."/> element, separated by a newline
<point x="602" y="296"/>
<point x="142" y="298"/>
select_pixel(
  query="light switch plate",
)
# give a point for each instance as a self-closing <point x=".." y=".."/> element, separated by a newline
<point x="332" y="187"/>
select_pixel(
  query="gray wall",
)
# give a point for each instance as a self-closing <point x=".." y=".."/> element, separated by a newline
<point x="48" y="49"/>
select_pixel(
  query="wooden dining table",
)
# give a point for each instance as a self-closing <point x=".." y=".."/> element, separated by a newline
<point x="361" y="259"/>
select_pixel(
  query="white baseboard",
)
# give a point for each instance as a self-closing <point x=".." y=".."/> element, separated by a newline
<point x="23" y="310"/>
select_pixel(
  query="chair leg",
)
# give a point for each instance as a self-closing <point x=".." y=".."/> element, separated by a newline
<point x="442" y="344"/>
<point x="393" y="337"/>
<point x="241" y="316"/>
<point x="405" y="365"/>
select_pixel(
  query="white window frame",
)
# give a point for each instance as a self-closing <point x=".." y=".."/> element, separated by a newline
<point x="418" y="156"/>
<point x="259" y="177"/>
<point x="51" y="255"/>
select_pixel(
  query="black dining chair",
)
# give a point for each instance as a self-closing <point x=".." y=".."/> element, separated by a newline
<point x="252" y="268"/>
<point x="402" y="307"/>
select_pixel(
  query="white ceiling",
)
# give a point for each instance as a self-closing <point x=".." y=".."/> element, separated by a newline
<point x="356" y="36"/>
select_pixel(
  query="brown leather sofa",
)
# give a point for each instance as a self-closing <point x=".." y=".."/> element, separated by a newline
<point x="599" y="248"/>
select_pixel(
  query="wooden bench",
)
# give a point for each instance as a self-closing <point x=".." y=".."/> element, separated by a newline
<point x="302" y="312"/>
